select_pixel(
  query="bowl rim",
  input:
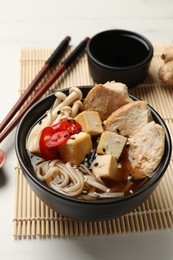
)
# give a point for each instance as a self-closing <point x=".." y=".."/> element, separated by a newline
<point x="135" y="35"/>
<point x="43" y="186"/>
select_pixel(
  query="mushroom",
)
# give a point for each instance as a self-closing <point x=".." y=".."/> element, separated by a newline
<point x="60" y="96"/>
<point x="75" y="108"/>
<point x="74" y="94"/>
<point x="66" y="112"/>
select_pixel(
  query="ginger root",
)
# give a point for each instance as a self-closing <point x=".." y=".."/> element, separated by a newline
<point x="165" y="72"/>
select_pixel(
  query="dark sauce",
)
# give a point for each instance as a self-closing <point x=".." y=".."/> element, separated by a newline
<point x="121" y="51"/>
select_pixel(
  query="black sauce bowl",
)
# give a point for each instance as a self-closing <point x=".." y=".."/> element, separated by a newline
<point x="75" y="208"/>
<point x="119" y="55"/>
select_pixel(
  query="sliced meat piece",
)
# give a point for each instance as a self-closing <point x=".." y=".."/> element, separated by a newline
<point x="106" y="98"/>
<point x="146" y="149"/>
<point x="129" y="119"/>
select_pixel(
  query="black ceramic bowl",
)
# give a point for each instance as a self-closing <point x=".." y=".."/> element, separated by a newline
<point x="75" y="208"/>
<point x="119" y="55"/>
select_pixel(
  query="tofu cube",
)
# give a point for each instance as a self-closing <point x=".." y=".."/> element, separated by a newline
<point x="76" y="148"/>
<point x="90" y="122"/>
<point x="111" y="143"/>
<point x="105" y="166"/>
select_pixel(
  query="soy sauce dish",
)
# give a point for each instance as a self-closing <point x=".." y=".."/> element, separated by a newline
<point x="119" y="55"/>
<point x="79" y="208"/>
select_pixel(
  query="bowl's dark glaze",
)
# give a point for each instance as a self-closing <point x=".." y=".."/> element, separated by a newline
<point x="119" y="55"/>
<point x="71" y="207"/>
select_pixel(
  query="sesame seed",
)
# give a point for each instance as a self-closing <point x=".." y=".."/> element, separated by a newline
<point x="118" y="131"/>
<point x="119" y="166"/>
<point x="96" y="164"/>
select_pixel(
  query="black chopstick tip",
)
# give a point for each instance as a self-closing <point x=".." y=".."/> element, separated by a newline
<point x="68" y="38"/>
<point x="86" y="39"/>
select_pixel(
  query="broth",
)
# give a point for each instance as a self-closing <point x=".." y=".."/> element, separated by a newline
<point x="125" y="184"/>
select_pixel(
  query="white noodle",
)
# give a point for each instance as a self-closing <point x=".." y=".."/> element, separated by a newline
<point x="95" y="184"/>
<point x="106" y="195"/>
<point x="64" y="179"/>
<point x="69" y="180"/>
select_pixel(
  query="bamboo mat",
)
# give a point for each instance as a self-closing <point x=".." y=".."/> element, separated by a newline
<point x="33" y="218"/>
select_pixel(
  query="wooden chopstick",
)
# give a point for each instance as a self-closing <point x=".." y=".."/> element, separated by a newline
<point x="48" y="64"/>
<point x="64" y="65"/>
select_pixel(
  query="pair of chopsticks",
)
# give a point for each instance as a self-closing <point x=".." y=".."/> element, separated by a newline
<point x="6" y="127"/>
